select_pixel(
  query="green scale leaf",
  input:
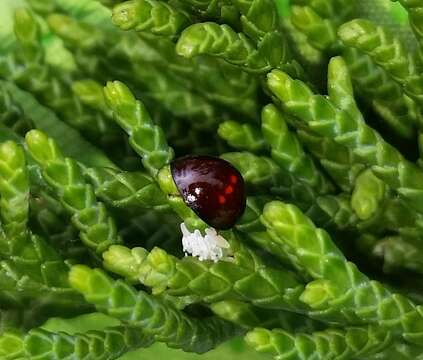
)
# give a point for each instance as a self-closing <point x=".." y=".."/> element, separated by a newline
<point x="259" y="17"/>
<point x="368" y="193"/>
<point x="319" y="20"/>
<point x="262" y="174"/>
<point x="338" y="161"/>
<point x="157" y="17"/>
<point x="40" y="344"/>
<point x="375" y="86"/>
<point x="64" y="175"/>
<point x="208" y="281"/>
<point x="340" y="291"/>
<point x="249" y="316"/>
<point x="14" y="190"/>
<point x="220" y="10"/>
<point x="222" y="41"/>
<point x="147" y="139"/>
<point x="321" y="32"/>
<point x="288" y="152"/>
<point x="349" y="343"/>
<point x="387" y="51"/>
<point x="242" y="136"/>
<point x="156" y="318"/>
<point x="27" y="257"/>
<point x="322" y="115"/>
<point x="132" y="191"/>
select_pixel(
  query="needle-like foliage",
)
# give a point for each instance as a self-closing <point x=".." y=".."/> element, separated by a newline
<point x="317" y="104"/>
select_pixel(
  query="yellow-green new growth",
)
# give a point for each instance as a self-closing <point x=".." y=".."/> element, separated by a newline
<point x="368" y="193"/>
<point x="222" y="41"/>
<point x="147" y="139"/>
<point x="14" y="189"/>
<point x="157" y="17"/>
<point x="246" y="278"/>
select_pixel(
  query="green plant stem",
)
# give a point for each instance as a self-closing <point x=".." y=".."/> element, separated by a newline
<point x="156" y="318"/>
<point x="97" y="228"/>
<point x="236" y="280"/>
<point x="204" y="38"/>
<point x="376" y="87"/>
<point x="326" y="119"/>
<point x="146" y="138"/>
<point x="349" y="343"/>
<point x="288" y="152"/>
<point x="249" y="316"/>
<point x="340" y="289"/>
<point x="386" y="51"/>
<point x="106" y="344"/>
<point x="157" y="17"/>
<point x="133" y="191"/>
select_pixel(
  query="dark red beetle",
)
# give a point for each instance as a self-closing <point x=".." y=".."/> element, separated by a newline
<point x="212" y="188"/>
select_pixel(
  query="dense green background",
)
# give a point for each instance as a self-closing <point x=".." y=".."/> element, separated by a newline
<point x="85" y="8"/>
<point x="234" y="349"/>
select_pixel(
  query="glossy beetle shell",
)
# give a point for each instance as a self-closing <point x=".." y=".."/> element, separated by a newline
<point x="212" y="188"/>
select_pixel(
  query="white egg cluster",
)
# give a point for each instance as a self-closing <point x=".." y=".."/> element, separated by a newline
<point x="209" y="247"/>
